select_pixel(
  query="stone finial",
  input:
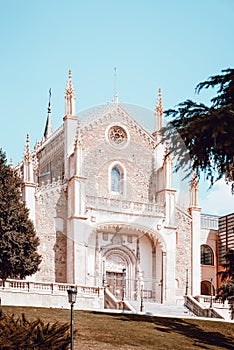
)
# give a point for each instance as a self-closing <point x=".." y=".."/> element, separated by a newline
<point x="27" y="152"/>
<point x="70" y="96"/>
<point x="69" y="88"/>
<point x="159" y="107"/>
<point x="159" y="112"/>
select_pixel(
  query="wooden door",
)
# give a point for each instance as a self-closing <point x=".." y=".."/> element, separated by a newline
<point x="116" y="283"/>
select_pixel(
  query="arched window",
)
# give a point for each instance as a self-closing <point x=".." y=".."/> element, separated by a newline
<point x="207" y="256"/>
<point x="115" y="180"/>
<point x="117" y="177"/>
<point x="207" y="288"/>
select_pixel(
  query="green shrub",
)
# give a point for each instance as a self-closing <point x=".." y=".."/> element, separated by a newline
<point x="17" y="333"/>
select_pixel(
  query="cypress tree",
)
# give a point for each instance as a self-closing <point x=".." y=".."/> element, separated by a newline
<point x="18" y="241"/>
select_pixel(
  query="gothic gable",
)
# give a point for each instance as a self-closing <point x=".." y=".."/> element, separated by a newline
<point x="118" y="155"/>
<point x="111" y="114"/>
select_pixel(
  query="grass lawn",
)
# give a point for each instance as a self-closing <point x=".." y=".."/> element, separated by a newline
<point x="96" y="330"/>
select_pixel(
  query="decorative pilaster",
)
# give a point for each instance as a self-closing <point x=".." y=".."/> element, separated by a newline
<point x="76" y="186"/>
<point x="195" y="213"/>
<point x="165" y="193"/>
<point x="167" y="168"/>
<point x="76" y="214"/>
<point x="70" y="122"/>
<point x="194" y="191"/>
<point x="28" y="165"/>
<point x="28" y="185"/>
<point x="78" y="148"/>
<point x="159" y="151"/>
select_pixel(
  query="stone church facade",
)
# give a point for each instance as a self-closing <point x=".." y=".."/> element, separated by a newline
<point x="101" y="197"/>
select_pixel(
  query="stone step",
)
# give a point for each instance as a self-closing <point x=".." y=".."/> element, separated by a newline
<point x="162" y="309"/>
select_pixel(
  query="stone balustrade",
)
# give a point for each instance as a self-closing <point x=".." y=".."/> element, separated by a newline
<point x="209" y="221"/>
<point x="124" y="206"/>
<point x="42" y="287"/>
<point x="30" y="293"/>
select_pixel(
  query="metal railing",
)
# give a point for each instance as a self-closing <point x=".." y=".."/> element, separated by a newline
<point x="198" y="309"/>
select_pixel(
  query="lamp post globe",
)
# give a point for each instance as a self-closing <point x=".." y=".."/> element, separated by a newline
<point x="72" y="293"/>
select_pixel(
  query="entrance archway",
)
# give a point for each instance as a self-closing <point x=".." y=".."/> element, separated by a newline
<point x="206" y="288"/>
<point x="138" y="250"/>
<point x="120" y="271"/>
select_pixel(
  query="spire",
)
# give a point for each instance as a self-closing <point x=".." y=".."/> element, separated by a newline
<point x="48" y="128"/>
<point x="70" y="97"/>
<point x="159" y="112"/>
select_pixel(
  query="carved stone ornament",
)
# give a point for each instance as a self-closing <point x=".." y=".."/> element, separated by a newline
<point x="117" y="136"/>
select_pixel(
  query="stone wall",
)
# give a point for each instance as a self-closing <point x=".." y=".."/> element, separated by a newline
<point x="51" y="159"/>
<point x="183" y="251"/>
<point x="136" y="157"/>
<point x="51" y="229"/>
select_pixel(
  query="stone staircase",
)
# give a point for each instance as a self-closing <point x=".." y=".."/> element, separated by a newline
<point x="158" y="309"/>
<point x="194" y="309"/>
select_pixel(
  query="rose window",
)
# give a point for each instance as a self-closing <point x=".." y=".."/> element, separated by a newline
<point x="117" y="136"/>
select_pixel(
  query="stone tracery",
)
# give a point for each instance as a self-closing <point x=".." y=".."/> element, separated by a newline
<point x="117" y="135"/>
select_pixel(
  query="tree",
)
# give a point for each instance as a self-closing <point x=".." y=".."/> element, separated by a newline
<point x="226" y="290"/>
<point x="228" y="272"/>
<point x="205" y="131"/>
<point x="18" y="240"/>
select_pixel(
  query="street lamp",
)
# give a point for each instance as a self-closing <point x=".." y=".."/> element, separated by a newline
<point x="72" y="292"/>
<point x="211" y="293"/>
<point x="123" y="287"/>
<point x="186" y="286"/>
<point x="103" y="272"/>
<point x="104" y="284"/>
<point x="142" y="299"/>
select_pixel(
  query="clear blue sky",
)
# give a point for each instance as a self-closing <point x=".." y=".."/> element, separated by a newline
<point x="159" y="43"/>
